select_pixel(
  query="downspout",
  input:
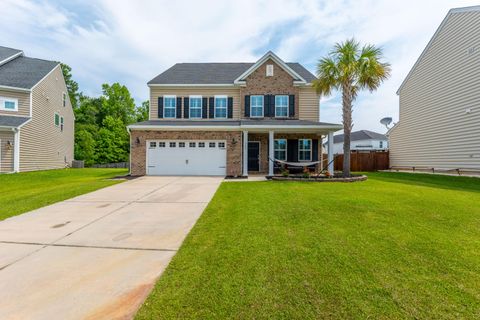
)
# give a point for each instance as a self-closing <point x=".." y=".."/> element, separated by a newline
<point x="130" y="152"/>
<point x="16" y="150"/>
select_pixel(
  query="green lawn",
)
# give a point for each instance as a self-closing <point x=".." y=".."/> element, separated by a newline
<point x="23" y="192"/>
<point x="396" y="246"/>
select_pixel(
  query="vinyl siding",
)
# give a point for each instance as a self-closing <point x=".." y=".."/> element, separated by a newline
<point x="6" y="153"/>
<point x="42" y="145"/>
<point x="23" y="103"/>
<point x="156" y="92"/>
<point x="309" y="104"/>
<point x="434" y="129"/>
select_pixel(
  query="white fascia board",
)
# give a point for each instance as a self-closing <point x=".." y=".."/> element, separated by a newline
<point x="192" y="85"/>
<point x="51" y="71"/>
<point x="15" y="89"/>
<point x="16" y="55"/>
<point x="275" y="58"/>
<point x="24" y="123"/>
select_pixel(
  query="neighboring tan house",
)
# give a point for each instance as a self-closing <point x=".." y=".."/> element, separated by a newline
<point x="439" y="124"/>
<point x="36" y="116"/>
<point x="360" y="141"/>
<point x="229" y="119"/>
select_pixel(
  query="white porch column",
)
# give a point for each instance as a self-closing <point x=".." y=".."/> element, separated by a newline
<point x="245" y="153"/>
<point x="16" y="151"/>
<point x="330" y="152"/>
<point x="270" y="153"/>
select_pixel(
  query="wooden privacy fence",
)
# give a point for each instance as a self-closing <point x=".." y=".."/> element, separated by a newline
<point x="362" y="161"/>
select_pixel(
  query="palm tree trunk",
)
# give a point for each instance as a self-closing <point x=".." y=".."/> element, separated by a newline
<point x="347" y="98"/>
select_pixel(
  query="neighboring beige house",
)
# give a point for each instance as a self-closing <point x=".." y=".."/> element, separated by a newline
<point x="439" y="125"/>
<point x="229" y="119"/>
<point x="36" y="116"/>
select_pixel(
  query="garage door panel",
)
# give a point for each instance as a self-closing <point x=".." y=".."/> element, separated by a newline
<point x="183" y="157"/>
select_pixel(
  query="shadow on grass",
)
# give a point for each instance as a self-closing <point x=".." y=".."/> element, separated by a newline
<point x="429" y="180"/>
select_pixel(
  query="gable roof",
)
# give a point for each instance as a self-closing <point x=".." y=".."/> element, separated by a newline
<point x="7" y="54"/>
<point x="360" y="135"/>
<point x="437" y="32"/>
<point x="218" y="73"/>
<point x="23" y="72"/>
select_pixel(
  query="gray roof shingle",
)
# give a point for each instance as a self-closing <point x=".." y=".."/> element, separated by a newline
<point x="12" y="121"/>
<point x="360" y="135"/>
<point x="7" y="52"/>
<point x="214" y="73"/>
<point x="24" y="72"/>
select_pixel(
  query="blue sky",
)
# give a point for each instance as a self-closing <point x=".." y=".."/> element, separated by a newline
<point x="106" y="41"/>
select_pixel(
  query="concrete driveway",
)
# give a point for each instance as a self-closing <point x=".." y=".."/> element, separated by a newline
<point x="98" y="255"/>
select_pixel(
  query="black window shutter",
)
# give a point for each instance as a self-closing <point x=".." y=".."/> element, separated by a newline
<point x="247" y="106"/>
<point x="211" y="108"/>
<point x="292" y="150"/>
<point x="204" y="108"/>
<point x="186" y="107"/>
<point x="230" y="108"/>
<point x="160" y="107"/>
<point x="291" y="105"/>
<point x="266" y="105"/>
<point x="179" y="108"/>
<point x="315" y="150"/>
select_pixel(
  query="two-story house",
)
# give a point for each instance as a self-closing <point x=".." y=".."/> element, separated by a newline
<point x="36" y="116"/>
<point x="229" y="119"/>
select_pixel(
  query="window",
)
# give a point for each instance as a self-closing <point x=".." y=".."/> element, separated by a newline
<point x="256" y="106"/>
<point x="269" y="71"/>
<point x="211" y="144"/>
<point x="153" y="144"/>
<point x="281" y="106"/>
<point x="381" y="144"/>
<point x="64" y="99"/>
<point x="280" y="149"/>
<point x="181" y="144"/>
<point x="195" y="107"/>
<point x="220" y="106"/>
<point x="201" y="144"/>
<point x="169" y="106"/>
<point x="173" y="144"/>
<point x="305" y="149"/>
<point x="61" y="124"/>
<point x="192" y="144"/>
<point x="57" y="119"/>
<point x="8" y="104"/>
<point x="221" y="144"/>
<point x="161" y="144"/>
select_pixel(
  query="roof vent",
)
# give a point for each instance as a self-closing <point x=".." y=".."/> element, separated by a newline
<point x="269" y="70"/>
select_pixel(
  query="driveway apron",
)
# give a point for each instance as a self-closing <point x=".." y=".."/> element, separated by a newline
<point x="97" y="256"/>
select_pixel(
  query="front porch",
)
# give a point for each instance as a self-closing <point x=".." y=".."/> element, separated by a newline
<point x="262" y="146"/>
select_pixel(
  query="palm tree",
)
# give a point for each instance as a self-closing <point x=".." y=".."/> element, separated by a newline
<point x="350" y="68"/>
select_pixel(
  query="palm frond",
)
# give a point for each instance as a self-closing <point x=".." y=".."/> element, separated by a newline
<point x="327" y="74"/>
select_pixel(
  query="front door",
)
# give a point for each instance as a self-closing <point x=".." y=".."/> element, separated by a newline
<point x="253" y="156"/>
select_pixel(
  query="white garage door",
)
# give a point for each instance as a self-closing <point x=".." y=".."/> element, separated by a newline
<point x="186" y="157"/>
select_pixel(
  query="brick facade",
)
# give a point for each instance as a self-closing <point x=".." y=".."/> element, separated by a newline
<point x="138" y="148"/>
<point x="258" y="83"/>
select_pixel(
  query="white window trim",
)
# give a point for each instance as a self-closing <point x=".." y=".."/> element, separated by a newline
<point x="64" y="99"/>
<point x="215" y="106"/>
<point x="55" y="114"/>
<point x="190" y="106"/>
<point x="263" y="106"/>
<point x="7" y="99"/>
<point x="286" y="148"/>
<point x="275" y="97"/>
<point x="175" y="107"/>
<point x="311" y="147"/>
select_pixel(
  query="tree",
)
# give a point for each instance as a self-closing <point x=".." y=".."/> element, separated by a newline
<point x="85" y="146"/>
<point x="118" y="103"/>
<point x="113" y="141"/>
<point x="143" y="111"/>
<point x="350" y="68"/>
<point x="72" y="85"/>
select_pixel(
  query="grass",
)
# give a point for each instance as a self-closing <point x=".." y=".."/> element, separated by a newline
<point x="26" y="191"/>
<point x="396" y="246"/>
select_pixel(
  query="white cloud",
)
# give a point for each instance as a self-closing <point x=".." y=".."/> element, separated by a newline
<point x="131" y="41"/>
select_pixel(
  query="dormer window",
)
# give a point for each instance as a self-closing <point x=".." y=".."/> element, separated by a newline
<point x="269" y="70"/>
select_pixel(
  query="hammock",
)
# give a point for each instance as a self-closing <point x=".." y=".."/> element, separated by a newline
<point x="297" y="164"/>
